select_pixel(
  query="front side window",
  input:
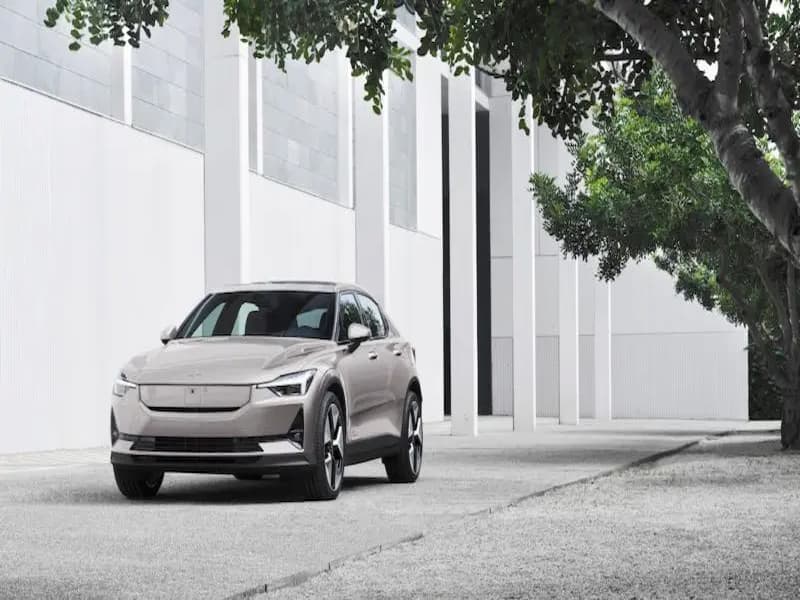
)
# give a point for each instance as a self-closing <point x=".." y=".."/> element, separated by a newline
<point x="371" y="316"/>
<point x="271" y="313"/>
<point x="349" y="313"/>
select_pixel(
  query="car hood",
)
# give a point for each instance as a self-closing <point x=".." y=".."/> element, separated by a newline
<point x="223" y="360"/>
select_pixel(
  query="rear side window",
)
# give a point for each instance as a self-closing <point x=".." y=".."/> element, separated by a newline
<point x="372" y="316"/>
<point x="348" y="314"/>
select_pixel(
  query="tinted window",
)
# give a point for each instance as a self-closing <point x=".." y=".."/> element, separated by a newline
<point x="277" y="314"/>
<point x="349" y="313"/>
<point x="371" y="316"/>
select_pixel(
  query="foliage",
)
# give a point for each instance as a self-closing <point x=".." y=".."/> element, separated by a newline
<point x="648" y="185"/>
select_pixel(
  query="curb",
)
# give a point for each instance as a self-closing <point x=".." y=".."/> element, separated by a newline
<point x="301" y="577"/>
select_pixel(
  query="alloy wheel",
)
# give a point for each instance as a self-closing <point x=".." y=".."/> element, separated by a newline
<point x="333" y="446"/>
<point x="415" y="437"/>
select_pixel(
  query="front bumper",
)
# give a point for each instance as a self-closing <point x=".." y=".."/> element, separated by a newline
<point x="280" y="457"/>
<point x="254" y="438"/>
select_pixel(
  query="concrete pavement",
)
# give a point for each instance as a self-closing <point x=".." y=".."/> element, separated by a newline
<point x="68" y="533"/>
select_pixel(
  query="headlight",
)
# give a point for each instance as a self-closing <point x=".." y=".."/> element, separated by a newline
<point x="291" y="384"/>
<point x="121" y="386"/>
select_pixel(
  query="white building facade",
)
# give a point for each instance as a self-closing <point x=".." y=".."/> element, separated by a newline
<point x="132" y="181"/>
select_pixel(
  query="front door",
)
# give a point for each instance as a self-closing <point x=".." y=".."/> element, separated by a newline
<point x="361" y="373"/>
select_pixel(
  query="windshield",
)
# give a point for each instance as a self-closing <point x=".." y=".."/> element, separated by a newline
<point x="278" y="314"/>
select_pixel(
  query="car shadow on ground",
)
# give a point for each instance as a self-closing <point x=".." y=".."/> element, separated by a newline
<point x="178" y="489"/>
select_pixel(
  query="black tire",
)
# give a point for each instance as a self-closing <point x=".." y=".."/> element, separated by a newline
<point x="404" y="467"/>
<point x="136" y="484"/>
<point x="248" y="476"/>
<point x="325" y="479"/>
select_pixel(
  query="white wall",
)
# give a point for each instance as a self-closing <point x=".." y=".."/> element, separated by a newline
<point x="671" y="358"/>
<point x="415" y="306"/>
<point x="295" y="235"/>
<point x="101" y="239"/>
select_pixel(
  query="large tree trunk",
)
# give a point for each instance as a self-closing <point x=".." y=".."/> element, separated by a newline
<point x="790" y="421"/>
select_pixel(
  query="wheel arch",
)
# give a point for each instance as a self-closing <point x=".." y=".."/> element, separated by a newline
<point x="333" y="384"/>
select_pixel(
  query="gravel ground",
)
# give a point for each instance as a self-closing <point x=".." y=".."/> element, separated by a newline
<point x="721" y="520"/>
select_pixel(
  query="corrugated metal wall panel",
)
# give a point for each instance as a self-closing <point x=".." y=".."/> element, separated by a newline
<point x="681" y="375"/>
<point x="502" y="376"/>
<point x="586" y="366"/>
<point x="97" y="254"/>
<point x="547" y="376"/>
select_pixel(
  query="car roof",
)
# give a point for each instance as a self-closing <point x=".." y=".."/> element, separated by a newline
<point x="292" y="286"/>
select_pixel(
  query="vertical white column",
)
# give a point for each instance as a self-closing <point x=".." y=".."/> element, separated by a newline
<point x="345" y="128"/>
<point x="256" y="133"/>
<point x="227" y="189"/>
<point x="121" y="88"/>
<point x="523" y="231"/>
<point x="602" y="351"/>
<point x="463" y="276"/>
<point x="568" y="331"/>
<point x="512" y="250"/>
<point x="371" y="184"/>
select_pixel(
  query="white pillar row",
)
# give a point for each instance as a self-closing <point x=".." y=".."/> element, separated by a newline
<point x="463" y="275"/>
<point x="121" y="87"/>
<point x="602" y="351"/>
<point x="371" y="202"/>
<point x="512" y="250"/>
<point x="226" y="164"/>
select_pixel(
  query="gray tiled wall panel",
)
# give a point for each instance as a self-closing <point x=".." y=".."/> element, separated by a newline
<point x="167" y="76"/>
<point x="301" y="126"/>
<point x="37" y="56"/>
<point x="402" y="153"/>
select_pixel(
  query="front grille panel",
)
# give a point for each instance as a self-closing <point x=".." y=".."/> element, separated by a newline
<point x="195" y="444"/>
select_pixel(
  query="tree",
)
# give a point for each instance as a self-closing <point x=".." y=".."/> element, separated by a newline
<point x="566" y="55"/>
<point x="648" y="184"/>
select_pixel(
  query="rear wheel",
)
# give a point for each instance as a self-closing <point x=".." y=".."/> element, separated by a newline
<point x="136" y="484"/>
<point x="325" y="480"/>
<point x="404" y="467"/>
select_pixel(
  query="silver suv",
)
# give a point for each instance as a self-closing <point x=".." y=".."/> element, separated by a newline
<point x="297" y="379"/>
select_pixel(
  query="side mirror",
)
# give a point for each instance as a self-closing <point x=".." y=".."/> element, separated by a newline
<point x="356" y="334"/>
<point x="168" y="333"/>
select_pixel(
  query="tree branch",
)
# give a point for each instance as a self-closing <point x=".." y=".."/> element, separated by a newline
<point x="769" y="95"/>
<point x="750" y="174"/>
<point x="781" y="309"/>
<point x="730" y="61"/>
<point x="638" y="21"/>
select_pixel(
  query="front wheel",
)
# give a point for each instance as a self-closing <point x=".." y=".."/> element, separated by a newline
<point x="404" y="466"/>
<point x="325" y="481"/>
<point x="136" y="484"/>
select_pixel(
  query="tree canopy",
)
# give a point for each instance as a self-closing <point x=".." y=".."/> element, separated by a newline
<point x="566" y="55"/>
<point x="647" y="184"/>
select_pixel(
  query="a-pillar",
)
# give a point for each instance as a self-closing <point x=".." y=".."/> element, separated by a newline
<point x="512" y="250"/>
<point x="602" y="351"/>
<point x="463" y="271"/>
<point x="226" y="164"/>
<point x="371" y="202"/>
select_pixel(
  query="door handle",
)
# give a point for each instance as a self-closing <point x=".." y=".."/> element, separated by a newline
<point x="373" y="355"/>
<point x="397" y="352"/>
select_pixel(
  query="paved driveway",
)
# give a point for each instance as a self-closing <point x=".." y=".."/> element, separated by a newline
<point x="66" y="532"/>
